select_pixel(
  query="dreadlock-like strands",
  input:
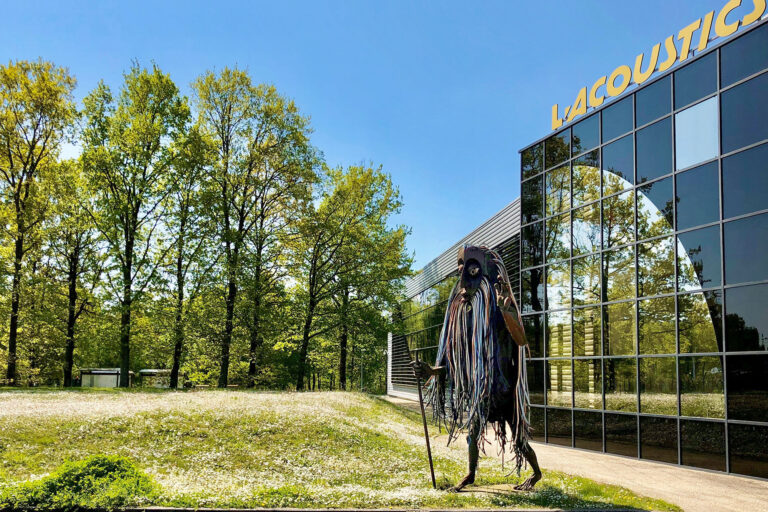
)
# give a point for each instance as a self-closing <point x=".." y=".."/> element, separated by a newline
<point x="476" y="382"/>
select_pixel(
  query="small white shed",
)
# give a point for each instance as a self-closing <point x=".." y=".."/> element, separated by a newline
<point x="102" y="377"/>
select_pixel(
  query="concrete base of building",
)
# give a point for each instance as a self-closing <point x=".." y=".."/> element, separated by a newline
<point x="691" y="489"/>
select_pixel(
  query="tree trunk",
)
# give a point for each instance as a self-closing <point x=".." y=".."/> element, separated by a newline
<point x="178" y="328"/>
<point x="343" y="340"/>
<point x="125" y="316"/>
<point x="305" y="345"/>
<point x="228" y="327"/>
<point x="71" y="317"/>
<point x="15" y="299"/>
<point x="256" y="320"/>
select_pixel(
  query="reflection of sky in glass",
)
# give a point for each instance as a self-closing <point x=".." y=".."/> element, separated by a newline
<point x="696" y="137"/>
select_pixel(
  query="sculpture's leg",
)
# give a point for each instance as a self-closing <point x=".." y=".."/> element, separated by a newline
<point x="473" y="450"/>
<point x="530" y="456"/>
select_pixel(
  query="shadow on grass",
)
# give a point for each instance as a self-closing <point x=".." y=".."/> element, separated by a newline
<point x="543" y="496"/>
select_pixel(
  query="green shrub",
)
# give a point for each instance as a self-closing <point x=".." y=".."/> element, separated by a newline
<point x="99" y="481"/>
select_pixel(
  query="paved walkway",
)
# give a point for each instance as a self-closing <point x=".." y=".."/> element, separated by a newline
<point x="691" y="489"/>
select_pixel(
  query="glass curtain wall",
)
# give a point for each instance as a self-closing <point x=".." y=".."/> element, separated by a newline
<point x="644" y="269"/>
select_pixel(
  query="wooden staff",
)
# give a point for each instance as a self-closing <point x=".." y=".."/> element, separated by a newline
<point x="426" y="431"/>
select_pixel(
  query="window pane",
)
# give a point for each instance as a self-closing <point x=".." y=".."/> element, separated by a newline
<point x="658" y="439"/>
<point x="700" y="322"/>
<point x="746" y="448"/>
<point x="696" y="134"/>
<point x="619" y="329"/>
<point x="745" y="56"/>
<point x="586" y="331"/>
<point x="748" y="387"/>
<point x="698" y="196"/>
<point x="701" y="386"/>
<point x="586" y="135"/>
<point x="588" y="393"/>
<point x="703" y="444"/>
<point x="588" y="430"/>
<point x="534" y="334"/>
<point x="533" y="290"/>
<point x="559" y="285"/>
<point x="586" y="229"/>
<point x="535" y="371"/>
<point x="654" y="209"/>
<point x="557" y="149"/>
<point x="746" y="247"/>
<point x="559" y="426"/>
<point x="531" y="161"/>
<point x="746" y="322"/>
<point x="586" y="178"/>
<point x="696" y="80"/>
<point x="657" y="326"/>
<point x="558" y="244"/>
<point x="537" y="423"/>
<point x="559" y="383"/>
<point x="532" y="199"/>
<point x="559" y="334"/>
<point x="653" y="101"/>
<point x="621" y="434"/>
<point x="533" y="245"/>
<point x="620" y="384"/>
<point x="619" y="274"/>
<point x="698" y="254"/>
<point x="619" y="219"/>
<point x="618" y="165"/>
<point x="656" y="267"/>
<point x="558" y="198"/>
<point x="586" y="280"/>
<point x="658" y="385"/>
<point x="744" y="110"/>
<point x="617" y="119"/>
<point x="654" y="151"/>
<point x="745" y="182"/>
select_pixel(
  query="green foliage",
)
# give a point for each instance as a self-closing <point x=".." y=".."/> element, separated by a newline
<point x="98" y="481"/>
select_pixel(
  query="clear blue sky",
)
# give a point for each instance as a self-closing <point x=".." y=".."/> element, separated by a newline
<point x="442" y="94"/>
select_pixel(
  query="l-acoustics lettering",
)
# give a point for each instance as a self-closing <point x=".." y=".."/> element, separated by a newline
<point x="623" y="76"/>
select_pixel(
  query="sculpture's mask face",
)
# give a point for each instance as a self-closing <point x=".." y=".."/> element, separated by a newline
<point x="475" y="264"/>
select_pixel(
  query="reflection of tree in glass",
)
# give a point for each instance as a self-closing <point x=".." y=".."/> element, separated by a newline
<point x="620" y="385"/>
<point x="744" y="337"/>
<point x="700" y="316"/>
<point x="586" y="280"/>
<point x="559" y="285"/>
<point x="586" y="229"/>
<point x="654" y="209"/>
<point x="656" y="267"/>
<point x="658" y="385"/>
<point x="585" y="179"/>
<point x="657" y="326"/>
<point x="619" y="219"/>
<point x="701" y="387"/>
<point x="558" y="239"/>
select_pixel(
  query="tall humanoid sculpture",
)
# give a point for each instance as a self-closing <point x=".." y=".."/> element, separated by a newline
<point x="479" y="378"/>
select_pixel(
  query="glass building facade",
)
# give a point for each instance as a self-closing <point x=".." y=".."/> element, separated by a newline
<point x="644" y="268"/>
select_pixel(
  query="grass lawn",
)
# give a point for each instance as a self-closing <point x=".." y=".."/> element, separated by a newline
<point x="257" y="449"/>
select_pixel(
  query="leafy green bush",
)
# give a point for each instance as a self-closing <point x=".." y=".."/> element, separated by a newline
<point x="99" y="481"/>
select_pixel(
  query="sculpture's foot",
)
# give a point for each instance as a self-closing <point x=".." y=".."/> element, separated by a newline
<point x="469" y="479"/>
<point x="529" y="483"/>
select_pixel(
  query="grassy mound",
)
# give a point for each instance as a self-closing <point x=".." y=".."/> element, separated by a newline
<point x="220" y="448"/>
<point x="99" y="481"/>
